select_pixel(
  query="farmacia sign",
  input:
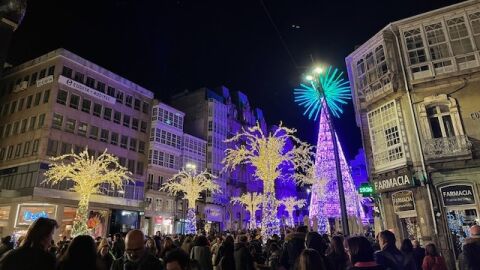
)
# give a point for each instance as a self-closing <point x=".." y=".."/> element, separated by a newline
<point x="393" y="183"/>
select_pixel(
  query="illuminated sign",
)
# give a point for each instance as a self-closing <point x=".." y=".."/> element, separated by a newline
<point x="365" y="189"/>
<point x="457" y="195"/>
<point x="44" y="81"/>
<point x="32" y="216"/>
<point x="85" y="89"/>
<point x="403" y="201"/>
<point x="28" y="213"/>
<point x="395" y="182"/>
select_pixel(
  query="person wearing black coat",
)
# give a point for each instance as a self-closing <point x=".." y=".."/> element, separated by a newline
<point x="242" y="256"/>
<point x="136" y="256"/>
<point x="294" y="245"/>
<point x="418" y="253"/>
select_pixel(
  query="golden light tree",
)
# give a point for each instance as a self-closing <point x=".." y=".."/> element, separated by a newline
<point x="252" y="202"/>
<point x="190" y="184"/>
<point x="89" y="175"/>
<point x="275" y="155"/>
<point x="290" y="203"/>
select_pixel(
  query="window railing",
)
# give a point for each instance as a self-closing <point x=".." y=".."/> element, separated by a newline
<point x="447" y="147"/>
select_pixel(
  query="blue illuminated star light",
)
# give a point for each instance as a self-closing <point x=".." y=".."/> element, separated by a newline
<point x="325" y="87"/>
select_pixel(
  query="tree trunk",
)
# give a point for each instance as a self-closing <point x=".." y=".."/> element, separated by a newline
<point x="81" y="217"/>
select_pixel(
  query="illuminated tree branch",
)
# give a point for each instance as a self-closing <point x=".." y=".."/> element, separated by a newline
<point x="252" y="202"/>
<point x="290" y="203"/>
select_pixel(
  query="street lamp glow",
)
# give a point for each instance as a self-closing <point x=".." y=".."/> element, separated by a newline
<point x="309" y="77"/>
<point x="308" y="190"/>
<point x="318" y="70"/>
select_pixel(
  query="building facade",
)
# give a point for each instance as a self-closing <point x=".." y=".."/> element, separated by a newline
<point x="58" y="103"/>
<point x="415" y="88"/>
<point x="11" y="15"/>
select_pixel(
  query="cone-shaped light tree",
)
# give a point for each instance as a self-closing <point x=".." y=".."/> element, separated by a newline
<point x="268" y="155"/>
<point x="89" y="175"/>
<point x="290" y="203"/>
<point x="252" y="202"/>
<point x="191" y="185"/>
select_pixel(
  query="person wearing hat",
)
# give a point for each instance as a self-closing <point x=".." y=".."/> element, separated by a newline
<point x="469" y="259"/>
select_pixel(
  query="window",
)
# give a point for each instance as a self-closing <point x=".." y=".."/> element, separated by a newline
<point x="86" y="105"/>
<point x="93" y="132"/>
<point x="24" y="126"/>
<point x="29" y="101"/>
<point x="67" y="72"/>
<point x="135" y="123"/>
<point x="136" y="104"/>
<point x="123" y="141"/>
<point x="46" y="96"/>
<point x="42" y="73"/>
<point x="41" y="120"/>
<point x="13" y="107"/>
<point x="440" y="121"/>
<point x="90" y="82"/>
<point x="33" y="121"/>
<point x="154" y="113"/>
<point x="128" y="101"/>
<point x="51" y="70"/>
<point x="66" y="148"/>
<point x="57" y="121"/>
<point x="475" y="23"/>
<point x="33" y="79"/>
<point x="38" y="97"/>
<point x="114" y="138"/>
<point x="145" y="107"/>
<point x="26" y="149"/>
<point x="8" y="129"/>
<point x="2" y="153"/>
<point x="111" y="91"/>
<point x="437" y="42"/>
<point x="35" y="146"/>
<point x="117" y="116"/>
<point x="74" y="101"/>
<point x="70" y="125"/>
<point x="459" y="38"/>
<point x="79" y="77"/>
<point x="385" y="136"/>
<point x="61" y="97"/>
<point x="5" y="109"/>
<point x="140" y="168"/>
<point x="20" y="104"/>
<point x="52" y="147"/>
<point x="107" y="113"/>
<point x="101" y="87"/>
<point x="97" y="109"/>
<point x="82" y="129"/>
<point x="15" y="128"/>
<point x="415" y="46"/>
<point x="133" y="144"/>
<point x="10" y="152"/>
<point x="104" y="135"/>
<point x="143" y="126"/>
<point x="141" y="147"/>
<point x="131" y="166"/>
<point x="126" y="120"/>
<point x="119" y="96"/>
<point x="18" y="150"/>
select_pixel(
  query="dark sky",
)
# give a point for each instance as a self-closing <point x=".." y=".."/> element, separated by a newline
<point x="170" y="46"/>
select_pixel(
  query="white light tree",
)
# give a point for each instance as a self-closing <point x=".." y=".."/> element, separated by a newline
<point x="190" y="184"/>
<point x="89" y="176"/>
<point x="252" y="202"/>
<point x="272" y="158"/>
<point x="290" y="203"/>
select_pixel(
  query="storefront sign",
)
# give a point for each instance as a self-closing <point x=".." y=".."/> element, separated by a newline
<point x="213" y="213"/>
<point x="28" y="213"/>
<point x="365" y="189"/>
<point x="44" y="81"/>
<point x="403" y="201"/>
<point x="158" y="220"/>
<point x="457" y="195"/>
<point x="85" y="89"/>
<point x="393" y="183"/>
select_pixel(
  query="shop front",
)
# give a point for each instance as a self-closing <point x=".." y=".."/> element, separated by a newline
<point x="163" y="224"/>
<point x="122" y="221"/>
<point x="461" y="211"/>
<point x="27" y="213"/>
<point x="213" y="217"/>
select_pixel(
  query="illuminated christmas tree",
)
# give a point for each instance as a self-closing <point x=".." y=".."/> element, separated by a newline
<point x="252" y="202"/>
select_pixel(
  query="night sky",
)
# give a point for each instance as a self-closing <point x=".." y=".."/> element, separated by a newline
<point x="170" y="46"/>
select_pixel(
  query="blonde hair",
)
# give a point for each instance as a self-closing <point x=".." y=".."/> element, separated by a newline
<point x="103" y="243"/>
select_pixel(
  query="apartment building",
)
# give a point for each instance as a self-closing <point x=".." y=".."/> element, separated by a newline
<point x="58" y="103"/>
<point x="415" y="90"/>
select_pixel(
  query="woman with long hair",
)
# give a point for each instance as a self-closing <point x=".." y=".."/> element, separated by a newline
<point x="360" y="253"/>
<point x="167" y="247"/>
<point x="201" y="253"/>
<point x="33" y="251"/>
<point x="81" y="254"/>
<point x="103" y="254"/>
<point x="151" y="247"/>
<point x="433" y="259"/>
<point x="336" y="256"/>
<point x="309" y="259"/>
<point x="407" y="249"/>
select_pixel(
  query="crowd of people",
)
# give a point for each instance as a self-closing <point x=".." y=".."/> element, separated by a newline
<point x="297" y="250"/>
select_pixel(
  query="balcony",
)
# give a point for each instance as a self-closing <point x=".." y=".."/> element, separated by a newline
<point x="447" y="148"/>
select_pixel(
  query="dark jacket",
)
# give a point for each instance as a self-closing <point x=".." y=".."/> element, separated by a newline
<point x="227" y="262"/>
<point x="105" y="262"/>
<point x="336" y="261"/>
<point x="243" y="258"/>
<point x="148" y="262"/>
<point x="469" y="259"/>
<point x="203" y="256"/>
<point x="118" y="249"/>
<point x="27" y="259"/>
<point x="294" y="245"/>
<point x="392" y="259"/>
<point x="274" y="260"/>
<point x="419" y="254"/>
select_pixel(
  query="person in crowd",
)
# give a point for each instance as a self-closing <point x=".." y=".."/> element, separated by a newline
<point x="187" y="244"/>
<point x="419" y="253"/>
<point x="315" y="241"/>
<point x="33" y="251"/>
<point x="7" y="245"/>
<point x="294" y="244"/>
<point x="242" y="256"/>
<point x="118" y="247"/>
<point x="309" y="259"/>
<point x="389" y="255"/>
<point x="167" y="247"/>
<point x="201" y="253"/>
<point x="177" y="259"/>
<point x="274" y="258"/>
<point x="136" y="256"/>
<point x="469" y="259"/>
<point x="158" y="240"/>
<point x="215" y="247"/>
<point x="433" y="260"/>
<point x="409" y="256"/>
<point x="151" y="247"/>
<point x="80" y="255"/>
<point x="53" y="249"/>
<point x="104" y="256"/>
<point x="336" y="256"/>
<point x="360" y="253"/>
<point x="225" y="250"/>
